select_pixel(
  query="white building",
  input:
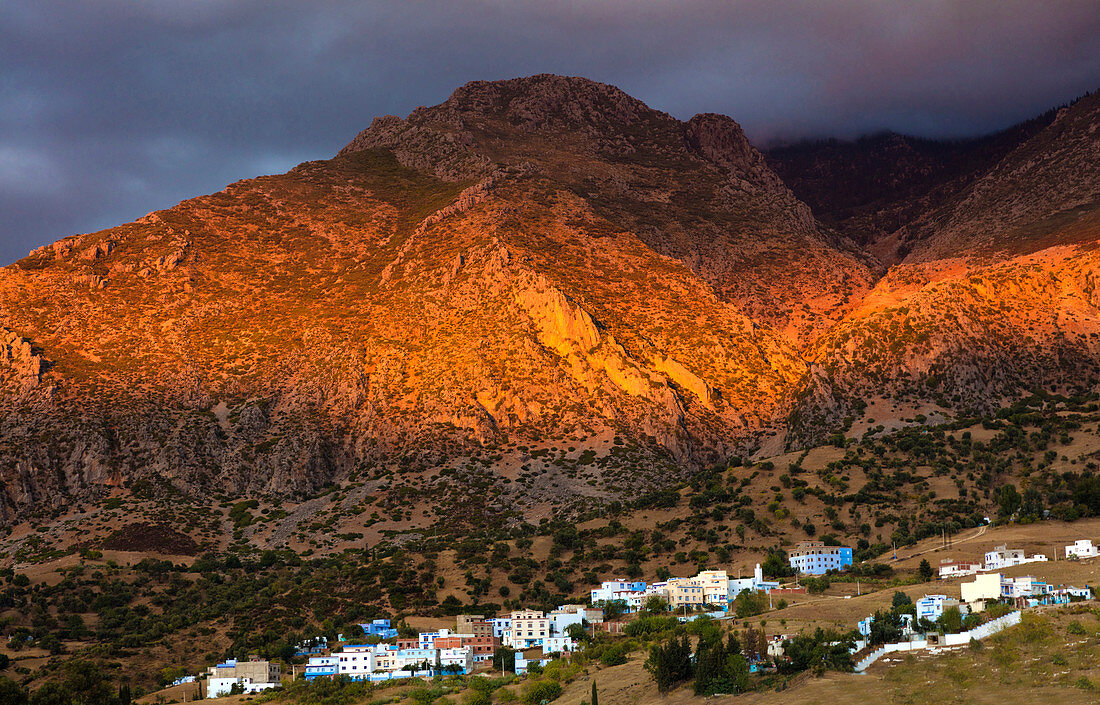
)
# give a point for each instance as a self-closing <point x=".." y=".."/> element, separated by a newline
<point x="1082" y="548"/>
<point x="561" y="618"/>
<point x="931" y="607"/>
<point x="356" y="661"/>
<point x="1004" y="557"/>
<point x="611" y="590"/>
<point x="459" y="659"/>
<point x="958" y="569"/>
<point x="755" y="583"/>
<point x="220" y="687"/>
<point x="558" y="644"/>
<point x="427" y="639"/>
<point x="1023" y="587"/>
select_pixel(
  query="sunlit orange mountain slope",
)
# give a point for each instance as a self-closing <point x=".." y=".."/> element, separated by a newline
<point x="535" y="269"/>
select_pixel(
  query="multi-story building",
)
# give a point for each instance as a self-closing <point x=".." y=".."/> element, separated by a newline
<point x="957" y="569"/>
<point x="529" y="628"/>
<point x="716" y="587"/>
<point x="683" y="593"/>
<point x="482" y="646"/>
<point x="320" y="666"/>
<point x="356" y="661"/>
<point x="815" y="558"/>
<point x="253" y="676"/>
<point x="931" y="607"/>
<point x="456" y="660"/>
<point x="475" y="624"/>
<point x="1004" y="557"/>
<point x="561" y="618"/>
<point x="610" y="590"/>
<point x="1024" y="587"/>
<point x="412" y="660"/>
<point x="1082" y="548"/>
<point x="500" y="626"/>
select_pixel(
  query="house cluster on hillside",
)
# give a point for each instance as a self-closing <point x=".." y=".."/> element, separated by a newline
<point x="999" y="558"/>
<point x="474" y="640"/>
<point x="251" y="676"/>
<point x="1003" y="557"/>
<point x="1024" y="591"/>
<point x="710" y="588"/>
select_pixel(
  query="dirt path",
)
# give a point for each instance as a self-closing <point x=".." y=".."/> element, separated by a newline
<point x="977" y="534"/>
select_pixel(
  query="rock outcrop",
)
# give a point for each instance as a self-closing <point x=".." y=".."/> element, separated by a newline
<point x="17" y="354"/>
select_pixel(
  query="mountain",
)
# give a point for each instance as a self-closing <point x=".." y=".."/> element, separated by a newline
<point x="870" y="187"/>
<point x="995" y="290"/>
<point x="538" y="278"/>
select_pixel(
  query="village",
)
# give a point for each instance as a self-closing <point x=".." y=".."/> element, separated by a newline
<point x="526" y="640"/>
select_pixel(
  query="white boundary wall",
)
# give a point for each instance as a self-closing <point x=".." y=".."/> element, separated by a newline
<point x="980" y="632"/>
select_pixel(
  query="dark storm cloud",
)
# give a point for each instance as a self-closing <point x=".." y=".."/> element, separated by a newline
<point x="111" y="109"/>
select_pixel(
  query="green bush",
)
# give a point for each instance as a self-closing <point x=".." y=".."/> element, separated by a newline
<point x="538" y="691"/>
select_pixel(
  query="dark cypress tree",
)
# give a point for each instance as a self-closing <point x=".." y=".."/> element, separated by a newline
<point x="595" y="696"/>
<point x="710" y="662"/>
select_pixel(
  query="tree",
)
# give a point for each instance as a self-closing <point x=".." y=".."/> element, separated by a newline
<point x="925" y="570"/>
<point x="885" y="627"/>
<point x="776" y="564"/>
<point x="655" y="604"/>
<point x="901" y="602"/>
<point x="670" y="663"/>
<point x="13" y="693"/>
<point x="1032" y="503"/>
<point x="816" y="586"/>
<point x="1008" y="500"/>
<point x="51" y="693"/>
<point x="719" y="668"/>
<point x="577" y="633"/>
<point x="595" y="696"/>
<point x="749" y="603"/>
<point x="612" y="608"/>
<point x="539" y="691"/>
<point x="823" y="650"/>
<point x="504" y="659"/>
<point x="951" y="621"/>
<point x="85" y="681"/>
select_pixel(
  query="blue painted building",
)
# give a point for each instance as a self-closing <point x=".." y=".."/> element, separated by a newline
<point x="380" y="628"/>
<point x="815" y="558"/>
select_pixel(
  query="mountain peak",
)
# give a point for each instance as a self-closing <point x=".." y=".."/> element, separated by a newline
<point x="549" y="101"/>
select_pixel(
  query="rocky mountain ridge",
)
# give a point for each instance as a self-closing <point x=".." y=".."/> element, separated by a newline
<point x="540" y="276"/>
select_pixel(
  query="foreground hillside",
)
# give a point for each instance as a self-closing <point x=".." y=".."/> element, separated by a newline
<point x="538" y="278"/>
<point x="153" y="582"/>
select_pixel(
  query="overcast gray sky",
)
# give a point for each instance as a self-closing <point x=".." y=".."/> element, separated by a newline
<point x="114" y="108"/>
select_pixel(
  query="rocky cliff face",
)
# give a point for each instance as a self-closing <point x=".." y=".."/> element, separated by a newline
<point x="532" y="270"/>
